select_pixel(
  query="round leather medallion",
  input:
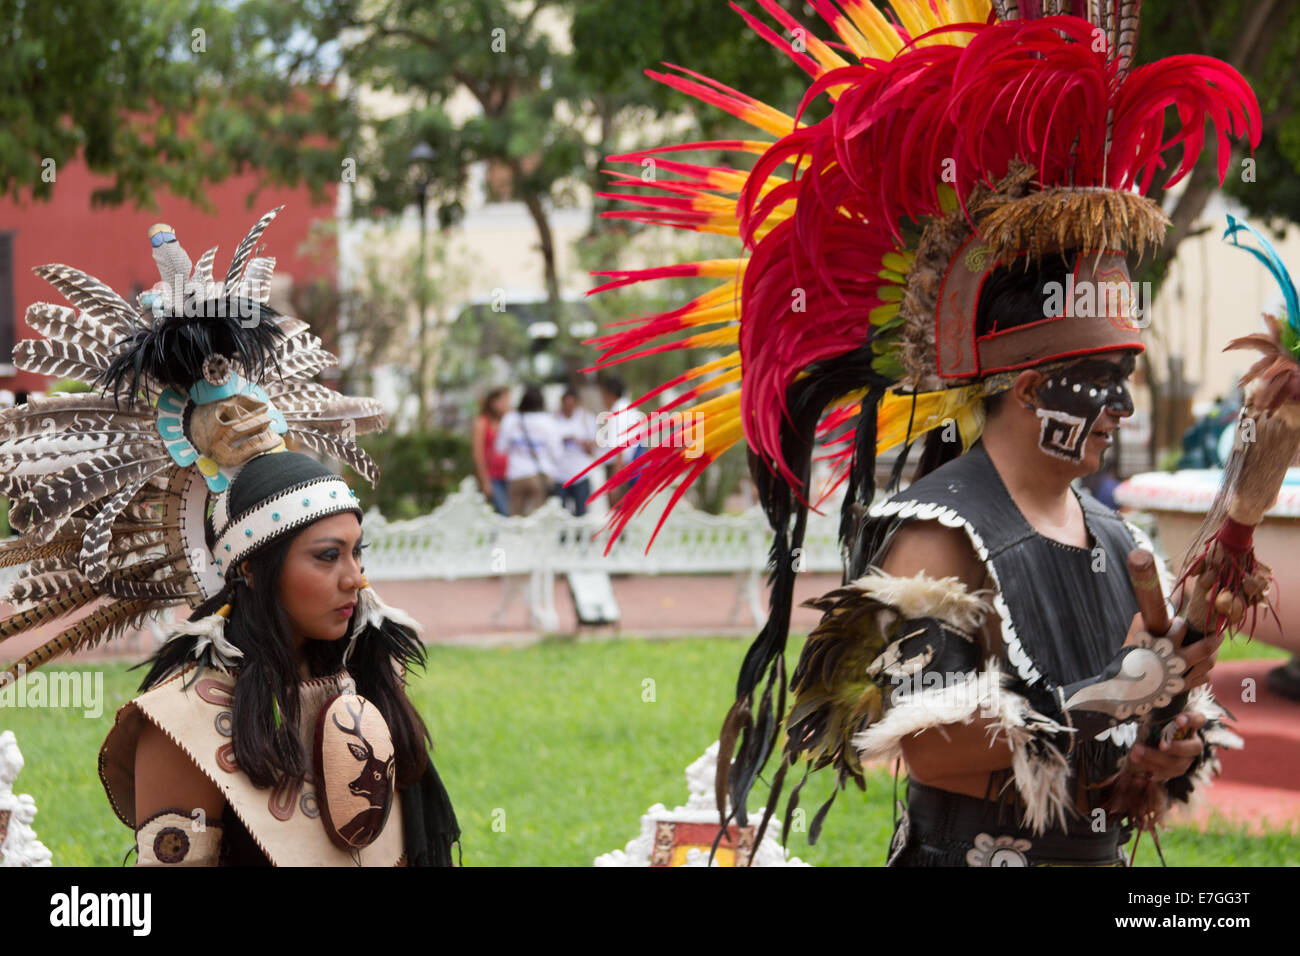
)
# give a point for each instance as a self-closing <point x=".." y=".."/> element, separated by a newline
<point x="354" y="764"/>
<point x="170" y="845"/>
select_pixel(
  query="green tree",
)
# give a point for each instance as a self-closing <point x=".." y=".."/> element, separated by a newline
<point x="159" y="95"/>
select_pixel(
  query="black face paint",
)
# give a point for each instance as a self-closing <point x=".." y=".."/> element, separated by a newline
<point x="1073" y="398"/>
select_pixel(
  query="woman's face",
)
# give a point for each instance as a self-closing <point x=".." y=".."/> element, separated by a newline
<point x="501" y="404"/>
<point x="321" y="577"/>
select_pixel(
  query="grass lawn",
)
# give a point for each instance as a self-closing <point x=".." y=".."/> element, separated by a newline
<point x="551" y="754"/>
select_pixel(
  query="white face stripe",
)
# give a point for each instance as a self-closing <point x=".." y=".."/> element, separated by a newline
<point x="295" y="507"/>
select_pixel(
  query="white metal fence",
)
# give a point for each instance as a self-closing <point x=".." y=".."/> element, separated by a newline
<point x="465" y="538"/>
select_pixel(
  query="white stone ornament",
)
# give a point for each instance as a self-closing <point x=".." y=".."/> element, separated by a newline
<point x="677" y="837"/>
<point x="18" y="843"/>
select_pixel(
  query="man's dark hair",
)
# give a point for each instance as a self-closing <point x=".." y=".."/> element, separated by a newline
<point x="612" y="384"/>
<point x="1014" y="295"/>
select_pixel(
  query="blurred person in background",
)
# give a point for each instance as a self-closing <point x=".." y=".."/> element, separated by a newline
<point x="577" y="428"/>
<point x="489" y="465"/>
<point x="530" y="440"/>
<point x="617" y="419"/>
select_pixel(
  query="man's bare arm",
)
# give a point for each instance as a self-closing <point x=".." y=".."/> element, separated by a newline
<point x="952" y="752"/>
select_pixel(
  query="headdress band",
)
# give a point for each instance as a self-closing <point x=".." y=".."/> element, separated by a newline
<point x="292" y="508"/>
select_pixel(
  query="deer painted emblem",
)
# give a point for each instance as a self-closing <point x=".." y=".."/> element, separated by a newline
<point x="373" y="782"/>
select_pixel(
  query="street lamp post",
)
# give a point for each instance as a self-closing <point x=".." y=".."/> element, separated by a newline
<point x="420" y="163"/>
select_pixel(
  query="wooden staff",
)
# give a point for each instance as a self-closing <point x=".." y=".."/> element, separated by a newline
<point x="1145" y="578"/>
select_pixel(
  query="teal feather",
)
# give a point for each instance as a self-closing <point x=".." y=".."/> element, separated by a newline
<point x="1273" y="262"/>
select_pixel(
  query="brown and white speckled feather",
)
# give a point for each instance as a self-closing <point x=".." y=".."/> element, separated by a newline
<point x="51" y="444"/>
<point x="102" y="307"/>
<point x="23" y="476"/>
<point x="37" y="587"/>
<point x="18" y="552"/>
<point x="94" y="548"/>
<point x="365" y="414"/>
<point x="203" y="270"/>
<point x="61" y="553"/>
<point x="256" y="283"/>
<point x="301" y="396"/>
<point x="1126" y="38"/>
<point x="164" y="592"/>
<point x="290" y="326"/>
<point x="304" y="364"/>
<point x="1007" y="9"/>
<point x="43" y="510"/>
<point x="105" y="623"/>
<point x="49" y="564"/>
<point x="344" y="451"/>
<point x="60" y="322"/>
<point x="49" y="609"/>
<point x="300" y="342"/>
<point x="59" y="359"/>
<point x="344" y="428"/>
<point x="63" y="409"/>
<point x="247" y="247"/>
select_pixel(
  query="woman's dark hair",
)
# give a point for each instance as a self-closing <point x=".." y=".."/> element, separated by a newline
<point x="1012" y="295"/>
<point x="531" y="400"/>
<point x="485" y="406"/>
<point x="259" y="627"/>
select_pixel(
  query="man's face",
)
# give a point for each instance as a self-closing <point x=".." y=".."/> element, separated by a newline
<point x="1081" y="405"/>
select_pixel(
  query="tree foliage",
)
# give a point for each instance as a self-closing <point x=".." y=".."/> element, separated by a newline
<point x="157" y="95"/>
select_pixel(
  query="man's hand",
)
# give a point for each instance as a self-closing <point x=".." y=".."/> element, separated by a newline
<point x="1174" y="757"/>
<point x="1200" y="657"/>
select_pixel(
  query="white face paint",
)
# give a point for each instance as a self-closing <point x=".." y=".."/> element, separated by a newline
<point x="1073" y="398"/>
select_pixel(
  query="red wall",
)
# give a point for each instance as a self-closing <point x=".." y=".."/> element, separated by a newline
<point x="112" y="244"/>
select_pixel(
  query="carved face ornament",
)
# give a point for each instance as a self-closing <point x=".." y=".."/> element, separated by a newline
<point x="233" y="430"/>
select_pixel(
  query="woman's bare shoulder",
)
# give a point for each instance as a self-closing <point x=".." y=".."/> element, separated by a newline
<point x="166" y="778"/>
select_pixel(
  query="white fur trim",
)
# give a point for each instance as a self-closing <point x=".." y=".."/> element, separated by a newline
<point x="1041" y="778"/>
<point x="947" y="599"/>
<point x="210" y="630"/>
<point x="1201" y="701"/>
<point x="371" y="610"/>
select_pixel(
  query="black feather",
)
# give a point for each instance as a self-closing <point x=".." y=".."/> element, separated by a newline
<point x="172" y="350"/>
<point x="787" y="514"/>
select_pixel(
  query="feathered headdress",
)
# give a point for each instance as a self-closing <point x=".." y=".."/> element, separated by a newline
<point x="111" y="488"/>
<point x="961" y="137"/>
